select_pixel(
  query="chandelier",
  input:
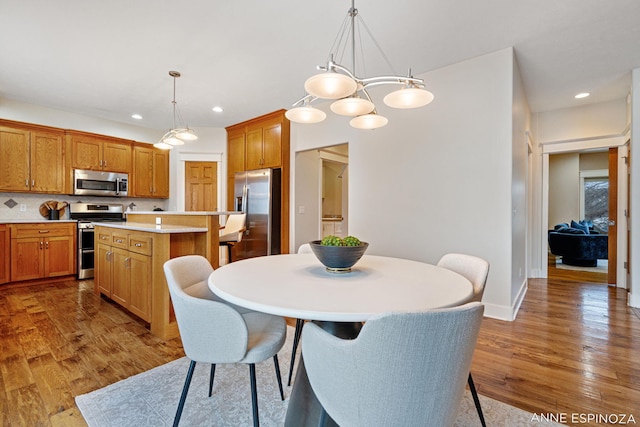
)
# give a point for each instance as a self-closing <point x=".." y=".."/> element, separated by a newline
<point x="350" y="91"/>
<point x="176" y="135"/>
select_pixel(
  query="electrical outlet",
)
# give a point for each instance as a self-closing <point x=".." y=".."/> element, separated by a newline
<point x="23" y="207"/>
<point x="301" y="209"/>
<point x="158" y="220"/>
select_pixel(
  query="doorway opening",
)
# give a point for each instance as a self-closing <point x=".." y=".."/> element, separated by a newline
<point x="321" y="201"/>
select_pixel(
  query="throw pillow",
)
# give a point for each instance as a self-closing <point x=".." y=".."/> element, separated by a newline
<point x="579" y="226"/>
<point x="561" y="226"/>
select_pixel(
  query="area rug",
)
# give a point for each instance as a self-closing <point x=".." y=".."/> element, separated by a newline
<point x="151" y="399"/>
<point x="602" y="266"/>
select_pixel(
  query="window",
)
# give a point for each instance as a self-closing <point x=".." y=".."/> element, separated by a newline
<point x="594" y="198"/>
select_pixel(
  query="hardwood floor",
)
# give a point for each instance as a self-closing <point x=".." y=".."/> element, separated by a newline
<point x="574" y="348"/>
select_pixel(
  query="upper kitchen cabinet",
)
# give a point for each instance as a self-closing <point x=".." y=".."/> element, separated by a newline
<point x="150" y="172"/>
<point x="32" y="158"/>
<point x="259" y="143"/>
<point x="98" y="152"/>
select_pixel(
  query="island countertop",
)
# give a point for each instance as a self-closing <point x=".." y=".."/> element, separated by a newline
<point x="198" y="213"/>
<point x="153" y="228"/>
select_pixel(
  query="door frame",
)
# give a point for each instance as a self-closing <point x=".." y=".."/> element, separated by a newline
<point x="580" y="145"/>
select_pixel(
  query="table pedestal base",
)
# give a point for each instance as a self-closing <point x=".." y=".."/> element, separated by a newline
<point x="304" y="408"/>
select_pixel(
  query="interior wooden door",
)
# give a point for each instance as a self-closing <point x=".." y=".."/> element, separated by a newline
<point x="613" y="216"/>
<point x="201" y="186"/>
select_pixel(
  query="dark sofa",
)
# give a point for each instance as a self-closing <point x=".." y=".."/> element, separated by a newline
<point x="577" y="247"/>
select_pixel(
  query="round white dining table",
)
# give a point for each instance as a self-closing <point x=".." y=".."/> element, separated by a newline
<point x="299" y="286"/>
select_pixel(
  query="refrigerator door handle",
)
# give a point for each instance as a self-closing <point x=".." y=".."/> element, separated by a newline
<point x="245" y="207"/>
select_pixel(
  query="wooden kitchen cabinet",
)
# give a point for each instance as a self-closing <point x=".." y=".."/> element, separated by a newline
<point x="98" y="152"/>
<point x="5" y="265"/>
<point x="123" y="267"/>
<point x="150" y="176"/>
<point x="264" y="145"/>
<point x="41" y="250"/>
<point x="262" y="142"/>
<point x="32" y="158"/>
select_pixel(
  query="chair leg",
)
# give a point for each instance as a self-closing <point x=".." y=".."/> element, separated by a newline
<point x="476" y="400"/>
<point x="277" y="365"/>
<point x="254" y="395"/>
<point x="296" y="339"/>
<point x="211" y="375"/>
<point x="185" y="390"/>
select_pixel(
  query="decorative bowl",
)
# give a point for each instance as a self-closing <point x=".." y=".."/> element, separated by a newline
<point x="338" y="259"/>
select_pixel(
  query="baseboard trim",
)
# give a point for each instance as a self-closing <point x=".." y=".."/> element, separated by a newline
<point x="633" y="299"/>
<point x="503" y="312"/>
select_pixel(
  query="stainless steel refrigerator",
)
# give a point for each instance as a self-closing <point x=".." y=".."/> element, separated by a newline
<point x="257" y="193"/>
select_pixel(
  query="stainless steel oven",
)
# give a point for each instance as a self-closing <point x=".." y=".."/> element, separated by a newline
<point x="87" y="214"/>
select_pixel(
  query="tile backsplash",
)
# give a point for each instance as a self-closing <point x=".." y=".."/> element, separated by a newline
<point x="23" y="206"/>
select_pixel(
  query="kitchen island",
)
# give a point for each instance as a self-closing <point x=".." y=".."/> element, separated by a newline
<point x="130" y="255"/>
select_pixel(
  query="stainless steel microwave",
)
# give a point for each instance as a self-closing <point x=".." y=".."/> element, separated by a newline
<point x="95" y="183"/>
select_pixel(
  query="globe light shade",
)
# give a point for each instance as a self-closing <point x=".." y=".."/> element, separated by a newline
<point x="330" y="85"/>
<point x="368" y="121"/>
<point x="163" y="145"/>
<point x="172" y="140"/>
<point x="185" y="134"/>
<point x="305" y="115"/>
<point x="409" y="97"/>
<point x="352" y="106"/>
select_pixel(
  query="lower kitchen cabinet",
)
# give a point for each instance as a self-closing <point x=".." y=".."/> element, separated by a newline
<point x="123" y="267"/>
<point x="42" y="250"/>
<point x="5" y="263"/>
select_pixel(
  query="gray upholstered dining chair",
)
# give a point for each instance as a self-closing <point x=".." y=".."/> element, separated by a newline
<point x="213" y="331"/>
<point x="475" y="270"/>
<point x="403" y="369"/>
<point x="232" y="232"/>
<point x="304" y="248"/>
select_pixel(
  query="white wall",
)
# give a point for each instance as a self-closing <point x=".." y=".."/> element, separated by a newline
<point x="438" y="179"/>
<point x="521" y="123"/>
<point x="564" y="188"/>
<point x="589" y="121"/>
<point x="634" y="286"/>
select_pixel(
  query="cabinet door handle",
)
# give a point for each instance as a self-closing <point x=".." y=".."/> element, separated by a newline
<point x="46" y="245"/>
<point x="41" y="243"/>
<point x="139" y="245"/>
<point x="127" y="262"/>
<point x="43" y="231"/>
<point x="26" y="182"/>
<point x="33" y="182"/>
<point x="118" y="240"/>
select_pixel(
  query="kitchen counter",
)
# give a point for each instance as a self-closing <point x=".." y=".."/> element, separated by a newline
<point x="34" y="221"/>
<point x="152" y="228"/>
<point x="215" y="213"/>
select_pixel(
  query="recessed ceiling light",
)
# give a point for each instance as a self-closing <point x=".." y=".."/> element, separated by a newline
<point x="582" y="95"/>
<point x="136" y="116"/>
<point x="217" y="109"/>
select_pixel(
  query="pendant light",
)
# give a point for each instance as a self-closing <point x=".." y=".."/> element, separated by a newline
<point x="176" y="135"/>
<point x="343" y="85"/>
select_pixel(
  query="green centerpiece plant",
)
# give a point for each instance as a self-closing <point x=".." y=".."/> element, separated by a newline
<point x="338" y="254"/>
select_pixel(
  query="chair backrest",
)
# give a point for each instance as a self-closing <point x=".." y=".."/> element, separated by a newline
<point x="473" y="268"/>
<point x="211" y="331"/>
<point x="305" y="248"/>
<point x="403" y="368"/>
<point x="234" y="227"/>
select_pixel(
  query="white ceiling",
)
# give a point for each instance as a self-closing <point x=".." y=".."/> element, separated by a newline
<point x="110" y="59"/>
